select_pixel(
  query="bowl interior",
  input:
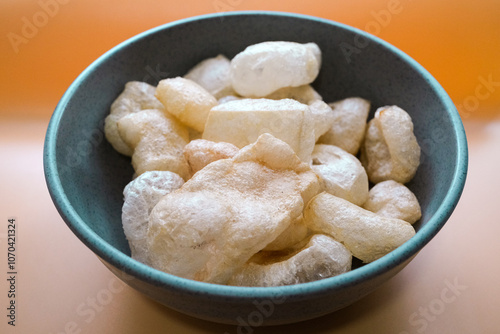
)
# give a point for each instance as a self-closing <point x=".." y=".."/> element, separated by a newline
<point x="86" y="176"/>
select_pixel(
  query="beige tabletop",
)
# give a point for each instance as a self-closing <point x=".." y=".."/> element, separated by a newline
<point x="452" y="286"/>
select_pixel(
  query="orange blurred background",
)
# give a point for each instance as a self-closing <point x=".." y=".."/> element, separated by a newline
<point x="45" y="44"/>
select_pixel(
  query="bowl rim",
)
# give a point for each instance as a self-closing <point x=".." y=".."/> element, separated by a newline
<point x="126" y="264"/>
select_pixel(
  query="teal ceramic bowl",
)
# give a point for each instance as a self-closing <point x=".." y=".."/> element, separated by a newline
<point x="85" y="176"/>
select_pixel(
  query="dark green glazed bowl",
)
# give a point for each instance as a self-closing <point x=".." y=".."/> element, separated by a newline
<point x="85" y="176"/>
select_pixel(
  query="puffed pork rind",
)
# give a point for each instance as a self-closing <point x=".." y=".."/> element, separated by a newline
<point x="320" y="258"/>
<point x="341" y="172"/>
<point x="157" y="140"/>
<point x="229" y="210"/>
<point x="323" y="118"/>
<point x="304" y="94"/>
<point x="136" y="96"/>
<point x="295" y="233"/>
<point x="140" y="197"/>
<point x="201" y="152"/>
<point x="390" y="150"/>
<point x="393" y="199"/>
<point x="265" y="67"/>
<point x="367" y="235"/>
<point x="214" y="75"/>
<point x="189" y="102"/>
<point x="228" y="98"/>
<point x="241" y="122"/>
<point x="349" y="124"/>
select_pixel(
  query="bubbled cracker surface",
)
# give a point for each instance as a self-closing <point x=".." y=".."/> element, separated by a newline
<point x="189" y="102"/>
<point x="227" y="212"/>
<point x="265" y="67"/>
<point x="320" y="258"/>
<point x="393" y="199"/>
<point x="157" y="140"/>
<point x="348" y="127"/>
<point x="241" y="122"/>
<point x="201" y="152"/>
<point x="390" y="150"/>
<point x="368" y="236"/>
<point x="213" y="74"/>
<point x="140" y="196"/>
<point x="135" y="97"/>
<point x="341" y="172"/>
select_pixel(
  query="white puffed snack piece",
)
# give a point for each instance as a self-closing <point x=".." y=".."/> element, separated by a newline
<point x="241" y="122"/>
<point x="390" y="150"/>
<point x="349" y="124"/>
<point x="158" y="141"/>
<point x="266" y="67"/>
<point x="341" y="172"/>
<point x="140" y="196"/>
<point x="296" y="232"/>
<point x="323" y="118"/>
<point x="393" y="199"/>
<point x="322" y="257"/>
<point x="135" y="97"/>
<point x="303" y="94"/>
<point x="189" y="102"/>
<point x="201" y="152"/>
<point x="367" y="235"/>
<point x="228" y="211"/>
<point x="228" y="98"/>
<point x="213" y="74"/>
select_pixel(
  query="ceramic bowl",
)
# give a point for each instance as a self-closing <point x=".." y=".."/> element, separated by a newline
<point x="86" y="176"/>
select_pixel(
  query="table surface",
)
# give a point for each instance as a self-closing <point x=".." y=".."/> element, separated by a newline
<point x="62" y="287"/>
